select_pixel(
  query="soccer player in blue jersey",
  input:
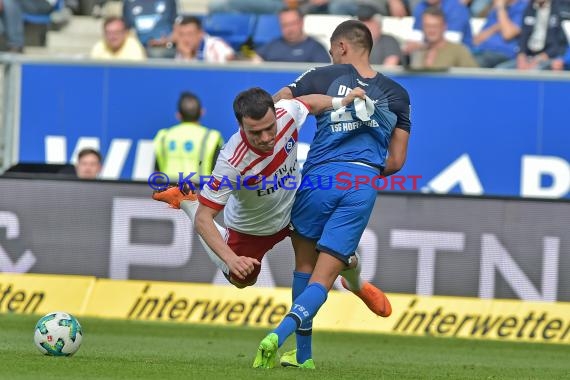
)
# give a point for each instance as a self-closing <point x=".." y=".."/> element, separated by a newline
<point x="367" y="140"/>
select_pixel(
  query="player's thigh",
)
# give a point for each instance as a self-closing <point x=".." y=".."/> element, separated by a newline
<point x="345" y="226"/>
<point x="311" y="210"/>
<point x="305" y="253"/>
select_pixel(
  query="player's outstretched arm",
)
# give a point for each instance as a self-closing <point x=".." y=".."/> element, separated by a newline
<point x="240" y="266"/>
<point x="319" y="103"/>
<point x="284" y="93"/>
<point x="397" y="151"/>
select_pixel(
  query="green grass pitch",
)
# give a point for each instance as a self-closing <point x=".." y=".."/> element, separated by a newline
<point x="154" y="350"/>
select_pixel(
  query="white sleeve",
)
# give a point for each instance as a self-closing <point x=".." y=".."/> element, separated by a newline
<point x="296" y="108"/>
<point x="218" y="50"/>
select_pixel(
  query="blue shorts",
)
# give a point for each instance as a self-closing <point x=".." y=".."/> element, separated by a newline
<point x="334" y="213"/>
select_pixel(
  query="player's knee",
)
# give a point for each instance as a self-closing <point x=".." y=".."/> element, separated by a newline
<point x="352" y="261"/>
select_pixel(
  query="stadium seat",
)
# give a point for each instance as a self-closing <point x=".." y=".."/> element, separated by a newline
<point x="320" y="27"/>
<point x="43" y="19"/>
<point x="398" y="27"/>
<point x="36" y="26"/>
<point x="234" y="28"/>
<point x="267" y="29"/>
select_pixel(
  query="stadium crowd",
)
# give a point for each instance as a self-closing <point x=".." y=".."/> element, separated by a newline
<point x="516" y="34"/>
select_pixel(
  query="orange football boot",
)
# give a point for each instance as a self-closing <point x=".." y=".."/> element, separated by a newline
<point x="373" y="297"/>
<point x="174" y="195"/>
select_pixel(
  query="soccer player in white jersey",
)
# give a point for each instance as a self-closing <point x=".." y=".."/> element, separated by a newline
<point x="250" y="183"/>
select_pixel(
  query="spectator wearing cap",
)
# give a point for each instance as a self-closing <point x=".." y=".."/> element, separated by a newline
<point x="386" y="49"/>
<point x="194" y="44"/>
<point x="294" y="45"/>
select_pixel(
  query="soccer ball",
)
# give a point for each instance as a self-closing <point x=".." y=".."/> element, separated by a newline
<point x="58" y="334"/>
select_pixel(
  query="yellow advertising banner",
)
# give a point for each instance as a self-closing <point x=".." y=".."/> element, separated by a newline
<point x="264" y="307"/>
<point x="512" y="320"/>
<point x="41" y="294"/>
<point x="476" y="318"/>
<point x="197" y="303"/>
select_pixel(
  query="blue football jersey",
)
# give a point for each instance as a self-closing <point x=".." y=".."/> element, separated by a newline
<point x="340" y="136"/>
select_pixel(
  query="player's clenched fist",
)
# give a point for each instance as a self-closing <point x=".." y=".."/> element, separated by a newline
<point x="356" y="92"/>
<point x="242" y="266"/>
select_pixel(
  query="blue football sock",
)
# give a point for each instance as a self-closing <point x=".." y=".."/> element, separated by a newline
<point x="304" y="308"/>
<point x="285" y="328"/>
<point x="304" y="334"/>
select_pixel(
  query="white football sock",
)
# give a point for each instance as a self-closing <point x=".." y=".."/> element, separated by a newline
<point x="190" y="208"/>
<point x="352" y="275"/>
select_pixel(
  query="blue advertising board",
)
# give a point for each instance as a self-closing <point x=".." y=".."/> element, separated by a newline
<point x="492" y="135"/>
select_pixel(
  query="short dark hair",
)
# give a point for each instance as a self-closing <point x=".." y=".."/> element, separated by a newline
<point x="189" y="107"/>
<point x="434" y="11"/>
<point x="252" y="103"/>
<point x="187" y="20"/>
<point x="111" y="19"/>
<point x="86" y="151"/>
<point x="355" y="32"/>
<point x="296" y="10"/>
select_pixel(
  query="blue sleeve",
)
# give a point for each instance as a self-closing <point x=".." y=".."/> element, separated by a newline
<point x="401" y="107"/>
<point x="458" y="20"/>
<point x="420" y="8"/>
<point x="567" y="57"/>
<point x="516" y="13"/>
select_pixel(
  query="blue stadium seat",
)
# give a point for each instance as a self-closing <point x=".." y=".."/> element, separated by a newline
<point x="234" y="28"/>
<point x="43" y="19"/>
<point x="267" y="29"/>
